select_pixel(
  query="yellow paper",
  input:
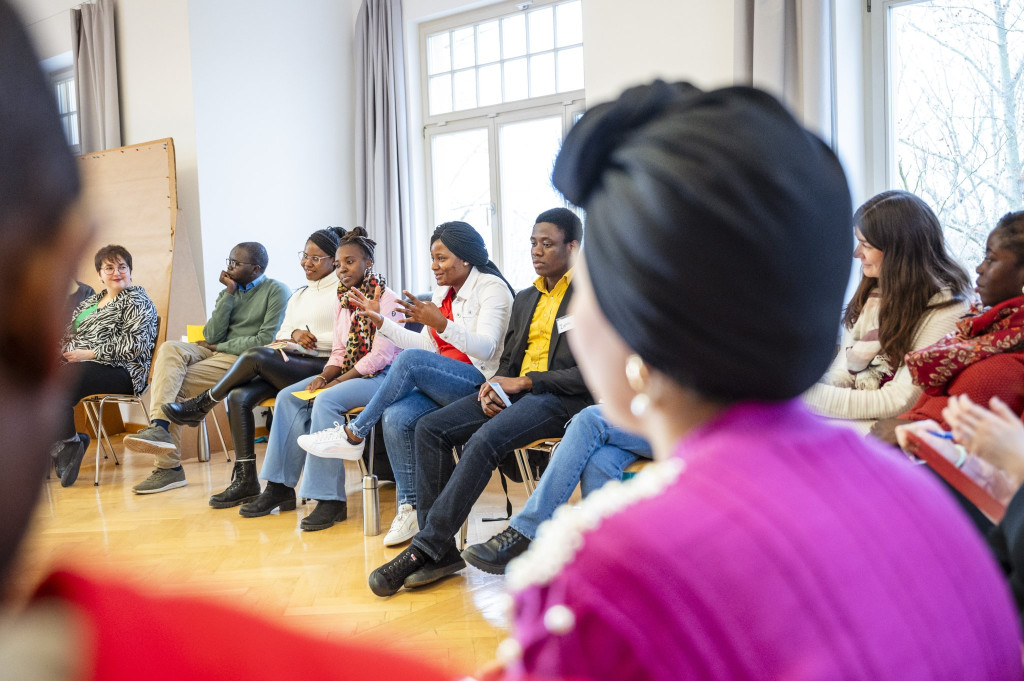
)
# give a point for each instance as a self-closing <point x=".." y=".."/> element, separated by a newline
<point x="195" y="332"/>
<point x="308" y="394"/>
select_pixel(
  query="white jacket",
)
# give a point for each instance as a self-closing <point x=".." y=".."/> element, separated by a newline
<point x="480" y="314"/>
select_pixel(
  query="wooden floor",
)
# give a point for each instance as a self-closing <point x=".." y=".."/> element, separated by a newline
<point x="314" y="581"/>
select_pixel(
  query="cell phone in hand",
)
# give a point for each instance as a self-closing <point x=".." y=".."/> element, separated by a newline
<point x="500" y="392"/>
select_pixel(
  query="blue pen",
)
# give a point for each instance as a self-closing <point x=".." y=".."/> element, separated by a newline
<point x="944" y="434"/>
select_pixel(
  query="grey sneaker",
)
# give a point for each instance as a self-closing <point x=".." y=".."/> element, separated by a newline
<point x="161" y="480"/>
<point x="149" y="440"/>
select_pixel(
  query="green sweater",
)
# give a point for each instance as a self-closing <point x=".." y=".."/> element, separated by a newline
<point x="246" y="319"/>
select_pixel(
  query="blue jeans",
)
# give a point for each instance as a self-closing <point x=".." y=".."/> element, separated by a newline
<point x="285" y="459"/>
<point x="446" y="492"/>
<point x="591" y="453"/>
<point x="418" y="383"/>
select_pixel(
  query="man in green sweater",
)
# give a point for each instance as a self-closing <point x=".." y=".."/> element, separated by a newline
<point x="248" y="313"/>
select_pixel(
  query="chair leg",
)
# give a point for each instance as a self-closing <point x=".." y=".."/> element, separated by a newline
<point x="220" y="436"/>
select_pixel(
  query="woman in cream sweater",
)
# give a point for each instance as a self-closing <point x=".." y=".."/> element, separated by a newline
<point x="910" y="295"/>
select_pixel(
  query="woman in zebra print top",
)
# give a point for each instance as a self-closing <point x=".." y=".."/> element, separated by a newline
<point x="107" y="348"/>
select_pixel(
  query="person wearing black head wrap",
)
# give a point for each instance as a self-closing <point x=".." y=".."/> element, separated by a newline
<point x="327" y="239"/>
<point x="717" y="253"/>
<point x="743" y="253"/>
<point x="466" y="244"/>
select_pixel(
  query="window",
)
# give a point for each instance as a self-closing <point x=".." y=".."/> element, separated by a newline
<point x="63" y="83"/>
<point x="500" y="92"/>
<point x="954" y="91"/>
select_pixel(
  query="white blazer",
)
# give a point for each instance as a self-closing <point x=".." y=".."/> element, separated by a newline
<point x="480" y="314"/>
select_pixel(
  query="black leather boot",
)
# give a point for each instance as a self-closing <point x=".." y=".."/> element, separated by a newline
<point x="274" y="496"/>
<point x="244" y="487"/>
<point x="325" y="515"/>
<point x="190" y="412"/>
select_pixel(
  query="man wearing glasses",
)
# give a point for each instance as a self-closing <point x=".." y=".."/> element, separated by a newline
<point x="248" y="312"/>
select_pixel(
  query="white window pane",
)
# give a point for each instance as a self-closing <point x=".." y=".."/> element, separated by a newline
<point x="439" y="57"/>
<point x="569" y="23"/>
<point x="489" y="85"/>
<point x="463" y="49"/>
<point x="440" y="94"/>
<point x="570" y="69"/>
<point x="953" y="133"/>
<point x="527" y="151"/>
<point x="513" y="36"/>
<point x="465" y="89"/>
<point x="72" y="96"/>
<point x="488" y="43"/>
<point x="542" y="74"/>
<point x="517" y="85"/>
<point x="542" y="30"/>
<point x="461" y="179"/>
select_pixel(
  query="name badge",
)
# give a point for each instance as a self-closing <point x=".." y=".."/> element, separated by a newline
<point x="565" y="323"/>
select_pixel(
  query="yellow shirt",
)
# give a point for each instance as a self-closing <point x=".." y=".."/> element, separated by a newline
<point x="536" y="357"/>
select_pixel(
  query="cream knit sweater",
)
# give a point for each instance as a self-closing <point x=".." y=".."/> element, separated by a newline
<point x="861" y="408"/>
<point x="313" y="305"/>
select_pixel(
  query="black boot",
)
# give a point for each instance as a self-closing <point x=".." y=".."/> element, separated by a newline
<point x="190" y="412"/>
<point x="325" y="515"/>
<point x="244" y="487"/>
<point x="274" y="496"/>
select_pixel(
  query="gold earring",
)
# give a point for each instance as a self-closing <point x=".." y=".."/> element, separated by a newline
<point x="636" y="376"/>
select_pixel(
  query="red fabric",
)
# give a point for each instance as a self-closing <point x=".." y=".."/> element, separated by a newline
<point x="140" y="637"/>
<point x="999" y="376"/>
<point x="444" y="347"/>
<point x="991" y="332"/>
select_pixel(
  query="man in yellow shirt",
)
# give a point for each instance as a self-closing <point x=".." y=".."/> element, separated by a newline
<point x="539" y="376"/>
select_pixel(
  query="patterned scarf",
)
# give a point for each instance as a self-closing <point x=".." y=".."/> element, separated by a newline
<point x="864" y="353"/>
<point x="361" y="330"/>
<point x="989" y="332"/>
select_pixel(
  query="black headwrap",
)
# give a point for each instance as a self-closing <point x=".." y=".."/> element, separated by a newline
<point x="718" y="238"/>
<point x="466" y="244"/>
<point x="327" y="239"/>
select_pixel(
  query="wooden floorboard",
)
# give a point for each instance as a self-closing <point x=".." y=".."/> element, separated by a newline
<point x="314" y="581"/>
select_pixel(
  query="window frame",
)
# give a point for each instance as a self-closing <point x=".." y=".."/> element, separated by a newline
<point x="568" y="105"/>
<point x="55" y="77"/>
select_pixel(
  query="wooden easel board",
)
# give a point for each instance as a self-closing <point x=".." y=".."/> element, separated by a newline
<point x="131" y="193"/>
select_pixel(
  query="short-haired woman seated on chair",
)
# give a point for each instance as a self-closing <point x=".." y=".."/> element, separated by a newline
<point x="260" y="372"/>
<point x="107" y="347"/>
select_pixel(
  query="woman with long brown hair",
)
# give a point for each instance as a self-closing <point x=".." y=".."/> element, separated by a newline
<point x="911" y="294"/>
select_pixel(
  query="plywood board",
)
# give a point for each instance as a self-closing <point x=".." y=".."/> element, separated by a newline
<point x="131" y="194"/>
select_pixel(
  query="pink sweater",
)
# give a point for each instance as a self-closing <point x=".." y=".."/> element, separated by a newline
<point x="382" y="353"/>
<point x="772" y="545"/>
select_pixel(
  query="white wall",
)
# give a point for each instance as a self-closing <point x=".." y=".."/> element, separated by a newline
<point x="273" y="91"/>
<point x="155" y="82"/>
<point x="630" y="43"/>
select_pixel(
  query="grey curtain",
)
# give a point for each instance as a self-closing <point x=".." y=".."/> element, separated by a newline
<point x="785" y="47"/>
<point x="95" y="59"/>
<point x="382" y="142"/>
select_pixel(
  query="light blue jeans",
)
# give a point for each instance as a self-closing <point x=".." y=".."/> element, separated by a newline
<point x="418" y="383"/>
<point x="591" y="453"/>
<point x="325" y="478"/>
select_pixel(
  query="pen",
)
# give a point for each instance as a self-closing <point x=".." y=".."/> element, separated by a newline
<point x="944" y="434"/>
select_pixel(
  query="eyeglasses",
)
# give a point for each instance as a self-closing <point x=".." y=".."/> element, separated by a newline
<point x="110" y="269"/>
<point x="236" y="263"/>
<point x="315" y="259"/>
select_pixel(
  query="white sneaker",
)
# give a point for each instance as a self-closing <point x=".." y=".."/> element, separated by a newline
<point x="404" y="527"/>
<point x="331" y="443"/>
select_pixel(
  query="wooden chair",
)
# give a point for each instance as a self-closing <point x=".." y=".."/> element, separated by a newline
<point x="94" y="405"/>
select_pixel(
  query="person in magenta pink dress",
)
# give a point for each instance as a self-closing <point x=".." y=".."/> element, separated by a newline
<point x="764" y="543"/>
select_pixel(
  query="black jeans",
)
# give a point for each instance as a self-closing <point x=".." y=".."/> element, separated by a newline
<point x="89" y="378"/>
<point x="258" y="374"/>
<point x="445" y="493"/>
